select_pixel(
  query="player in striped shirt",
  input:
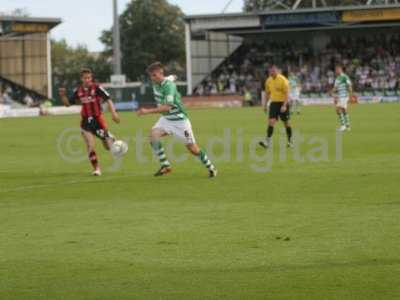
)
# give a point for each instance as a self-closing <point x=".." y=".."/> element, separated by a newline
<point x="174" y="121"/>
<point x="342" y="92"/>
<point x="294" y="94"/>
<point x="93" y="124"/>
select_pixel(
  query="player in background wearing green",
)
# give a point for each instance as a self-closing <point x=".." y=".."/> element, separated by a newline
<point x="342" y="92"/>
<point x="174" y="121"/>
<point x="294" y="94"/>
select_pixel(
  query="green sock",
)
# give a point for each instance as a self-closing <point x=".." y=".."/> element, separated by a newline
<point x="204" y="159"/>
<point x="160" y="152"/>
<point x="342" y="119"/>
<point x="347" y="119"/>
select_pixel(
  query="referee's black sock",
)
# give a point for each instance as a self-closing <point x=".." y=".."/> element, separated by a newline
<point x="270" y="131"/>
<point x="289" y="133"/>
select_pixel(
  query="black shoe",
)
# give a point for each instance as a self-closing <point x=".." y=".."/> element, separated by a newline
<point x="163" y="171"/>
<point x="264" y="144"/>
<point x="212" y="173"/>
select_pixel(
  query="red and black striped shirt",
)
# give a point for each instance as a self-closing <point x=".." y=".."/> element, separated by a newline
<point x="91" y="99"/>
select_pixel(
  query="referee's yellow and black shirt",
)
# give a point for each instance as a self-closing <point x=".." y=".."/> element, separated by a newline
<point x="277" y="87"/>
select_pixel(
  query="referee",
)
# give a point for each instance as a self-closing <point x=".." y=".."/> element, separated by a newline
<point x="277" y="100"/>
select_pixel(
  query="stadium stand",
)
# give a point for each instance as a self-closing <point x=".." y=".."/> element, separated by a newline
<point x="230" y="53"/>
<point x="25" y="58"/>
<point x="372" y="62"/>
<point x="12" y="93"/>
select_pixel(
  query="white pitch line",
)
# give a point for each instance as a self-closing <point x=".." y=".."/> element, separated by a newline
<point x="43" y="186"/>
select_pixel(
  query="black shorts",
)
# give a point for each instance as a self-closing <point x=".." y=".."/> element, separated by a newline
<point x="97" y="126"/>
<point x="275" y="112"/>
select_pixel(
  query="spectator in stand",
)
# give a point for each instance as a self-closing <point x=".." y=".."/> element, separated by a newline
<point x="6" y="97"/>
<point x="44" y="107"/>
<point x="28" y="100"/>
<point x="248" y="97"/>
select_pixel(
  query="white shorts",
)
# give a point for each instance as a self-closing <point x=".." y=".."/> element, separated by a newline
<point x="293" y="98"/>
<point x="342" y="102"/>
<point x="180" y="129"/>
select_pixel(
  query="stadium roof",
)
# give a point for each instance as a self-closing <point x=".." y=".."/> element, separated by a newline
<point x="286" y="11"/>
<point x="282" y="19"/>
<point x="54" y="21"/>
<point x="19" y="25"/>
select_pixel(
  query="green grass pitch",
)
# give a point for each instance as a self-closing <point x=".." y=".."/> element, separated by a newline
<point x="322" y="225"/>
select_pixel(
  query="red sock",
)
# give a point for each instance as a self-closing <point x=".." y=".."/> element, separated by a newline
<point x="93" y="159"/>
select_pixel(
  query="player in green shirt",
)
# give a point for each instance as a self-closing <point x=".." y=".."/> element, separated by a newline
<point x="174" y="121"/>
<point x="342" y="92"/>
<point x="294" y="94"/>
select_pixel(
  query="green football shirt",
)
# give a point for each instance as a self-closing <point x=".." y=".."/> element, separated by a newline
<point x="293" y="83"/>
<point x="342" y="84"/>
<point x="166" y="93"/>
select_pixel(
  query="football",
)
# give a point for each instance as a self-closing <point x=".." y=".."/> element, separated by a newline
<point x="119" y="149"/>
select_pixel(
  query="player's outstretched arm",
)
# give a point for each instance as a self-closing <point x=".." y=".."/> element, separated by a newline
<point x="62" y="92"/>
<point x="114" y="114"/>
<point x="265" y="102"/>
<point x="332" y="92"/>
<point x="267" y="98"/>
<point x="157" y="110"/>
<point x="172" y="78"/>
<point x="350" y="90"/>
<point x="284" y="107"/>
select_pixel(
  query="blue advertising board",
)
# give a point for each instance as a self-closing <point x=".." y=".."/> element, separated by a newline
<point x="312" y="18"/>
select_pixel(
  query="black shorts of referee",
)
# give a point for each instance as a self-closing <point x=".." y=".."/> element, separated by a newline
<point x="275" y="111"/>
